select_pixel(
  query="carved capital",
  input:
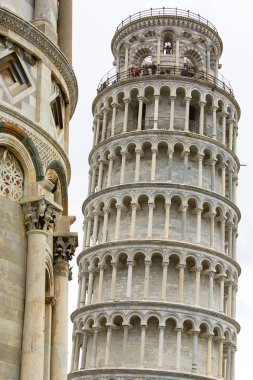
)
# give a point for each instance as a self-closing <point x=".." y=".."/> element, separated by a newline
<point x="64" y="247"/>
<point x="40" y="213"/>
<point x="61" y="268"/>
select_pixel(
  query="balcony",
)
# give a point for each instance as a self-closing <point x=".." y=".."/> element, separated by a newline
<point x="165" y="72"/>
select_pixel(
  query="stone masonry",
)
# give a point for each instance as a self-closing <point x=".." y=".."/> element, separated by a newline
<point x="158" y="271"/>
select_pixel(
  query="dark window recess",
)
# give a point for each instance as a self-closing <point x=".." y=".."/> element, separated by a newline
<point x="57" y="112"/>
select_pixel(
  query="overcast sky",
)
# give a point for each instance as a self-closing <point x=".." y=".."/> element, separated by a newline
<point x="93" y="27"/>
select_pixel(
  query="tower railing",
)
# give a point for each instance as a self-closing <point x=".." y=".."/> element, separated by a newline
<point x="167" y="72"/>
<point x="165" y="12"/>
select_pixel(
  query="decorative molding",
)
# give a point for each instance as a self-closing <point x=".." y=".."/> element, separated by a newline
<point x="29" y="32"/>
<point x="64" y="247"/>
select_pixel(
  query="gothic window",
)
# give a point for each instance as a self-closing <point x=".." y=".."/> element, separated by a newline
<point x="11" y="175"/>
<point x="13" y="74"/>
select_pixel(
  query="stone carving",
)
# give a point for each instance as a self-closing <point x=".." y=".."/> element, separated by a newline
<point x="39" y="215"/>
<point x="64" y="247"/>
<point x="11" y="175"/>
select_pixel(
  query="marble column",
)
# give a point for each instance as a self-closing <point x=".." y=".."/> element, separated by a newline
<point x="172" y="112"/>
<point x="100" y="283"/>
<point x="184" y="211"/>
<point x="114" y="113"/>
<point x="209" y="355"/>
<point x="133" y="220"/>
<point x="104" y="126"/>
<point x="39" y="218"/>
<point x="170" y="165"/>
<point x="221" y="295"/>
<point x="113" y="281"/>
<point x="200" y="174"/>
<point x="100" y="174"/>
<point x="108" y="345"/>
<point x="125" y="122"/>
<point x="150" y="219"/>
<point x="210" y="294"/>
<point x="178" y="348"/>
<point x="220" y="359"/>
<point x="148" y="263"/>
<point x="83" y="289"/>
<point x="123" y="164"/>
<point x="129" y="278"/>
<point x="64" y="249"/>
<point x="231" y="133"/>
<point x="105" y="224"/>
<point x="84" y="349"/>
<point x="142" y="346"/>
<point x="124" y="348"/>
<point x="110" y="166"/>
<point x="156" y="111"/>
<point x="224" y="137"/>
<point x="197" y="286"/>
<point x="153" y="164"/>
<point x="94" y="348"/>
<point x="201" y="117"/>
<point x="164" y="280"/>
<point x="140" y="109"/>
<point x="195" y="351"/>
<point x="160" y="346"/>
<point x="137" y="164"/>
<point x="117" y="224"/>
<point x="90" y="286"/>
<point x="181" y="283"/>
<point x="167" y="220"/>
<point x="199" y="215"/>
<point x="214" y="133"/>
<point x="213" y="163"/>
<point x="187" y="110"/>
<point x="65" y="27"/>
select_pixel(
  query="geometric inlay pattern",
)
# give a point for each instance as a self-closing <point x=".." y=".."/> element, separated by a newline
<point x="11" y="175"/>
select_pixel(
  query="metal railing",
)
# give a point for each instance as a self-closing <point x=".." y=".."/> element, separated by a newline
<point x="167" y="72"/>
<point x="165" y="12"/>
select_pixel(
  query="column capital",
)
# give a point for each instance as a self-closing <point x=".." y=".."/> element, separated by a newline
<point x="202" y="103"/>
<point x="127" y="100"/>
<point x="40" y="213"/>
<point x="187" y="99"/>
<point x="64" y="246"/>
<point x="148" y="262"/>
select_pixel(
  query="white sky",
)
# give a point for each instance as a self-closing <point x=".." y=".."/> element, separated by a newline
<point x="94" y="26"/>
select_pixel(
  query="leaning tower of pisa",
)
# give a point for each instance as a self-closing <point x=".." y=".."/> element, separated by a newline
<point x="38" y="95"/>
<point x="158" y="271"/>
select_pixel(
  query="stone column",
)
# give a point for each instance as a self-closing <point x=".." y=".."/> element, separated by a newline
<point x="94" y="348"/>
<point x="123" y="164"/>
<point x="100" y="174"/>
<point x="234" y="293"/>
<point x="230" y="238"/>
<point x="77" y="351"/>
<point x="187" y="109"/>
<point x="172" y="112"/>
<point x="65" y="27"/>
<point x="156" y="111"/>
<point x="100" y="283"/>
<point x="223" y="224"/>
<point x="200" y="175"/>
<point x="90" y="179"/>
<point x="208" y="62"/>
<point x="153" y="164"/>
<point x="223" y="180"/>
<point x="140" y="98"/>
<point x="178" y="348"/>
<point x="199" y="215"/>
<point x="39" y="218"/>
<point x="224" y="115"/>
<point x="64" y="249"/>
<point x="127" y="56"/>
<point x="97" y="129"/>
<point x="133" y="220"/>
<point x="142" y="347"/>
<point x="73" y="353"/>
<point x="113" y="281"/>
<point x="184" y="211"/>
<point x="83" y="289"/>
<point x="150" y="219"/>
<point x="105" y="225"/>
<point x="117" y="225"/>
<point x="167" y="220"/>
<point x="164" y="280"/>
<point x="221" y="302"/>
<point x="228" y="366"/>
<point x="160" y="346"/>
<point x="235" y="234"/>
<point x="125" y="122"/>
<point x="110" y="166"/>
<point x="87" y="240"/>
<point x="195" y="351"/>
<point x="186" y="164"/>
<point x="95" y="228"/>
<point x="129" y="278"/>
<point x="209" y="355"/>
<point x="229" y="308"/>
<point x="79" y="290"/>
<point x="170" y="165"/>
<point x="108" y="345"/>
<point x="84" y="349"/>
<point x="125" y="339"/>
<point x="201" y="117"/>
<point x="231" y="133"/>
<point x="42" y="10"/>
<point x="214" y="134"/>
<point x="90" y="286"/>
<point x="158" y="50"/>
<point x="220" y="359"/>
<point x="235" y="139"/>
<point x="212" y="217"/>
<point x="210" y="298"/>
<point x="213" y="163"/>
<point x="230" y="184"/>
<point x="114" y="113"/>
<point x="105" y="113"/>
<point x="181" y="283"/>
<point x="146" y="278"/>
<point x="137" y="164"/>
<point x="233" y="362"/>
<point x="93" y="179"/>
<point x="197" y="286"/>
